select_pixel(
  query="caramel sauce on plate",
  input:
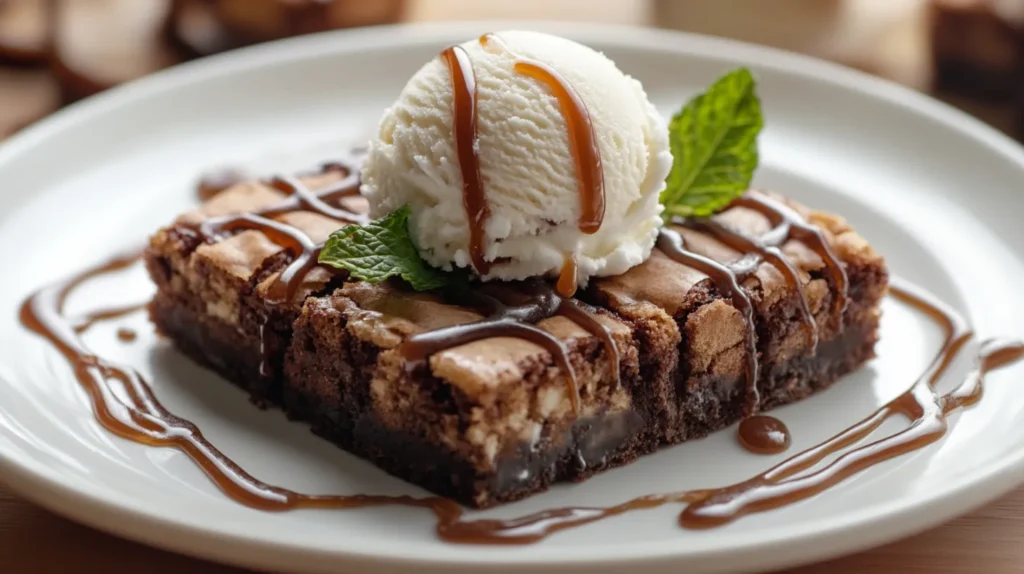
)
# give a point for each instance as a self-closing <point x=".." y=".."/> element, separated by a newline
<point x="83" y="323"/>
<point x="762" y="434"/>
<point x="140" y="417"/>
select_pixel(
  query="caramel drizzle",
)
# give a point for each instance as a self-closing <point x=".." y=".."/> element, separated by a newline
<point x="769" y="253"/>
<point x="586" y="317"/>
<point x="142" y="419"/>
<point x="301" y="198"/>
<point x="671" y="243"/>
<point x="569" y="277"/>
<point x="582" y="141"/>
<point x="787" y="226"/>
<point x="514" y="321"/>
<point x="590" y="176"/>
<point x="304" y="251"/>
<point x="582" y="138"/>
<point x="763" y="435"/>
<point x="503" y="321"/>
<point x="921" y="405"/>
<point x="518" y="321"/>
<point x="464" y="120"/>
<point x="85" y="322"/>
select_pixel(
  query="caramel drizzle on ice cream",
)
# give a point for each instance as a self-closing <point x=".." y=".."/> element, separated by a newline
<point x="582" y="142"/>
<point x="582" y="138"/>
<point x="464" y="119"/>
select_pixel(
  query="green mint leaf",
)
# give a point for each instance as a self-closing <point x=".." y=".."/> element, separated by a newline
<point x="382" y="249"/>
<point x="714" y="146"/>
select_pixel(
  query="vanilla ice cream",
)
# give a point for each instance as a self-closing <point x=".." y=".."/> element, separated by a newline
<point x="529" y="173"/>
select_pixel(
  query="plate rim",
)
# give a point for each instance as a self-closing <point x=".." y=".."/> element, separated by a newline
<point x="855" y="531"/>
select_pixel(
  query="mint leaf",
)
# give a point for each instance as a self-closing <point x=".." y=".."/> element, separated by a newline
<point x="382" y="249"/>
<point x="714" y="144"/>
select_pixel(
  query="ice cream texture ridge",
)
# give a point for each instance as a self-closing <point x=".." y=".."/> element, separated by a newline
<point x="529" y="167"/>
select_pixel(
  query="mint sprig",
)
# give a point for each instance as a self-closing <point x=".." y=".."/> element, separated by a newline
<point x="714" y="145"/>
<point x="381" y="249"/>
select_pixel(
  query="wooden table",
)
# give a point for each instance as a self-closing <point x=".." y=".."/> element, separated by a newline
<point x="33" y="540"/>
<point x="886" y="41"/>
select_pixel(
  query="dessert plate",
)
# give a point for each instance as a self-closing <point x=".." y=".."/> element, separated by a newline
<point x="932" y="189"/>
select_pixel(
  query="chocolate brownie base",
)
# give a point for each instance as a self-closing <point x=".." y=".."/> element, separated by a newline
<point x="435" y="427"/>
<point x="588" y="446"/>
<point x="490" y="421"/>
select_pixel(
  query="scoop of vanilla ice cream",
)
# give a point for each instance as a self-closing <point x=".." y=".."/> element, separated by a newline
<point x="526" y="162"/>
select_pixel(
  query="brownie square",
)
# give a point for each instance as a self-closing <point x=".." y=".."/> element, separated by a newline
<point x="491" y="421"/>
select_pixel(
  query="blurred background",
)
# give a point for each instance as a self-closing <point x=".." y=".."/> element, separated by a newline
<point x="967" y="52"/>
<point x="53" y="52"/>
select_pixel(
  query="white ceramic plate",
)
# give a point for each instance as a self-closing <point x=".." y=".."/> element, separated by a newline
<point x="932" y="189"/>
